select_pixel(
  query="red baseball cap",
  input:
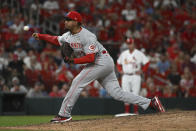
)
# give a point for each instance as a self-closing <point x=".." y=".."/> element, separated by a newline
<point x="130" y="40"/>
<point x="73" y="15"/>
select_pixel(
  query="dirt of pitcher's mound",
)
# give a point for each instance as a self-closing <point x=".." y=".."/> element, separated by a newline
<point x="172" y="120"/>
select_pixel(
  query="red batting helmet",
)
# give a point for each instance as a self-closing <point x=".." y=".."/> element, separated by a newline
<point x="73" y="15"/>
<point x="130" y="40"/>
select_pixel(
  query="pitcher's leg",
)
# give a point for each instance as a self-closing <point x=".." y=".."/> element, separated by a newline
<point x="79" y="82"/>
<point x="69" y="100"/>
<point x="110" y="83"/>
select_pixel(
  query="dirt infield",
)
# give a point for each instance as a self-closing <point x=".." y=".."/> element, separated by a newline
<point x="172" y="120"/>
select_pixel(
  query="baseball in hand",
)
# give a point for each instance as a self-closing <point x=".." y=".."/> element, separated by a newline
<point x="26" y="28"/>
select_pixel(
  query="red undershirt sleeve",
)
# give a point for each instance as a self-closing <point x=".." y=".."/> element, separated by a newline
<point x="48" y="38"/>
<point x="89" y="58"/>
<point x="145" y="67"/>
<point x="119" y="67"/>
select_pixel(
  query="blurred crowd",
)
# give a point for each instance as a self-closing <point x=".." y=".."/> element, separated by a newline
<point x="163" y="29"/>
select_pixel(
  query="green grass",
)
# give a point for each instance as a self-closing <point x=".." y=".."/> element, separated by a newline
<point x="33" y="120"/>
<point x="23" y="120"/>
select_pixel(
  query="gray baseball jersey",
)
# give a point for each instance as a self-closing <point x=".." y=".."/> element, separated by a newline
<point x="82" y="43"/>
<point x="102" y="70"/>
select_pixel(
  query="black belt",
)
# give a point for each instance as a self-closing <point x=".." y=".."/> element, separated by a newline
<point x="130" y="73"/>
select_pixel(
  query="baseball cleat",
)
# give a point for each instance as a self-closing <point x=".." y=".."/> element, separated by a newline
<point x="60" y="119"/>
<point x="156" y="104"/>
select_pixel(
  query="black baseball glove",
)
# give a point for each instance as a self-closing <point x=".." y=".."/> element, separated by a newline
<point x="67" y="53"/>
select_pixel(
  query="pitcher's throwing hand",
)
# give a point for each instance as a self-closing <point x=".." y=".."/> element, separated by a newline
<point x="35" y="35"/>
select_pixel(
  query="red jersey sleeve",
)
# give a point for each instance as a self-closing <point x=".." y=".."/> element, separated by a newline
<point x="51" y="39"/>
<point x="89" y="58"/>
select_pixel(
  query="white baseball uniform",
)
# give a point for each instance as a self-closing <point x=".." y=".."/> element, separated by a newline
<point x="102" y="69"/>
<point x="131" y="63"/>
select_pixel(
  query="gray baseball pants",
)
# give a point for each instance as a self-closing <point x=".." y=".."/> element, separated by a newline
<point x="103" y="71"/>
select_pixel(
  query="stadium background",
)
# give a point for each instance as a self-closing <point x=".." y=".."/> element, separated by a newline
<point x="164" y="30"/>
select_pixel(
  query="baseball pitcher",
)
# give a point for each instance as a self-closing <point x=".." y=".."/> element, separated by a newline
<point x="99" y="66"/>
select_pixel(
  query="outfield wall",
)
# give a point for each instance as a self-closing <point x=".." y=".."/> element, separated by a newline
<point x="18" y="104"/>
